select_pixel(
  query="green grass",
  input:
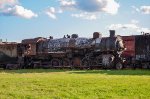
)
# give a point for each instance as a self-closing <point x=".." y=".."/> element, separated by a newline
<point x="74" y="84"/>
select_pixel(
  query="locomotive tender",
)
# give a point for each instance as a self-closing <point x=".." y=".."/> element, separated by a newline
<point x="76" y="52"/>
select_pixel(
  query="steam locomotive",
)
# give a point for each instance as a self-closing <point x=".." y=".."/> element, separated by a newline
<point x="111" y="52"/>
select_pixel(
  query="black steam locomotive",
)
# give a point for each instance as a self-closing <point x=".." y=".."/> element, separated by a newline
<point x="71" y="51"/>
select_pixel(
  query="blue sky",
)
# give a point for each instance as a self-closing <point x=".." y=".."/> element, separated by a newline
<point x="20" y="19"/>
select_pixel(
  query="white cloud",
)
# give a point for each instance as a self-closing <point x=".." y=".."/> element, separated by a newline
<point x="51" y="12"/>
<point x="18" y="11"/>
<point x="67" y="3"/>
<point x="123" y="26"/>
<point x="142" y="9"/>
<point x="8" y="1"/>
<point x="107" y="6"/>
<point x="135" y="8"/>
<point x="145" y="9"/>
<point x="11" y="8"/>
<point x="111" y="6"/>
<point x="4" y="3"/>
<point x="88" y="8"/>
<point x="60" y="11"/>
<point x="146" y="30"/>
<point x="87" y="16"/>
<point x="131" y="27"/>
<point x="134" y="21"/>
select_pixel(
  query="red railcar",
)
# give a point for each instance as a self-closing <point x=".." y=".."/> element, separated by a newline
<point x="137" y="51"/>
<point x="129" y="52"/>
<point x="129" y="43"/>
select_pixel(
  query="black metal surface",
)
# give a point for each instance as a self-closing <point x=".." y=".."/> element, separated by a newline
<point x="111" y="44"/>
<point x="142" y="47"/>
<point x="6" y="59"/>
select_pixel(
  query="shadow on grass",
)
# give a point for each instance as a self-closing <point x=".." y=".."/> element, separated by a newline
<point x="33" y="71"/>
<point x="69" y="71"/>
<point x="114" y="72"/>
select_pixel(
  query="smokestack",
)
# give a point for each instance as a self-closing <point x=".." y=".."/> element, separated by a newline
<point x="74" y="36"/>
<point x="112" y="33"/>
<point x="96" y="35"/>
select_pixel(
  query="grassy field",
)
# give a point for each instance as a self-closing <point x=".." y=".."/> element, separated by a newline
<point x="74" y="84"/>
